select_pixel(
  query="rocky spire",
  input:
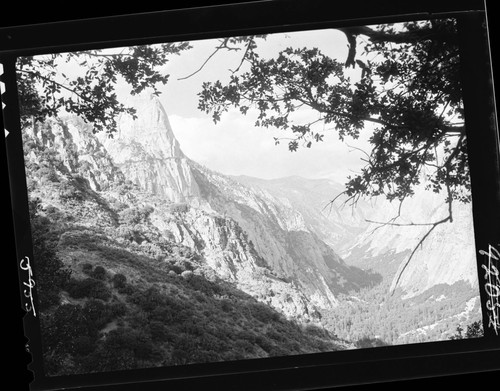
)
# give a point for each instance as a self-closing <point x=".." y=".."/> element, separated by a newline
<point x="148" y="153"/>
<point x="151" y="128"/>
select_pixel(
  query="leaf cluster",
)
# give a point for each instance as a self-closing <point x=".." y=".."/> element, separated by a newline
<point x="409" y="90"/>
<point x="44" y="90"/>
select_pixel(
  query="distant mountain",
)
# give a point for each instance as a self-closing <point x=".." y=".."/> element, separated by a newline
<point x="147" y="152"/>
<point x="246" y="235"/>
<point x="129" y="279"/>
<point x="362" y="239"/>
<point x="446" y="256"/>
<point x="280" y="241"/>
<point x="312" y="199"/>
<point x="291" y="223"/>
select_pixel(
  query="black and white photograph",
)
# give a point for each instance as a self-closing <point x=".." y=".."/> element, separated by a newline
<point x="249" y="197"/>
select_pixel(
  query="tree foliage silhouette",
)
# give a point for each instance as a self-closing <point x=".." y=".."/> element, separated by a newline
<point x="44" y="88"/>
<point x="409" y="91"/>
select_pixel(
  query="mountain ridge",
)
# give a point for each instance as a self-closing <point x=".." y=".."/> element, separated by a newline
<point x="271" y="238"/>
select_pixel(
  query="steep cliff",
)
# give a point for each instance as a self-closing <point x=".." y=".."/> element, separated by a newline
<point x="273" y="239"/>
<point x="94" y="174"/>
<point x="147" y="152"/>
<point x="446" y="256"/>
<point x="283" y="238"/>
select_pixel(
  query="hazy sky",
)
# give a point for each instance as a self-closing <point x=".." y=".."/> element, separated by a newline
<point x="235" y="146"/>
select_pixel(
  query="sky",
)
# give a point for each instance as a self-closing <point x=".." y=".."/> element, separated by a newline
<point x="234" y="146"/>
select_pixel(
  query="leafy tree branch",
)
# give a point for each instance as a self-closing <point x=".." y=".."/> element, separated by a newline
<point x="90" y="93"/>
<point x="409" y="90"/>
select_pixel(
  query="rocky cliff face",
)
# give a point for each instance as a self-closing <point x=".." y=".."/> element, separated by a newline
<point x="446" y="256"/>
<point x="147" y="152"/>
<point x="290" y="224"/>
<point x="272" y="239"/>
<point x="246" y="236"/>
<point x="71" y="139"/>
<point x="226" y="248"/>
<point x="311" y="198"/>
<point x="283" y="237"/>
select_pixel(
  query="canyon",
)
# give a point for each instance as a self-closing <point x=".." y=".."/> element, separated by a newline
<point x="280" y="241"/>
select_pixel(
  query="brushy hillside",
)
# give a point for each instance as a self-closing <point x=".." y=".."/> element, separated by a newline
<point x="114" y="294"/>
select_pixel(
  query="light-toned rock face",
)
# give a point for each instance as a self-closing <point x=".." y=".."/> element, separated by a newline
<point x="226" y="248"/>
<point x="274" y="239"/>
<point x="248" y="236"/>
<point x="445" y="256"/>
<point x="286" y="220"/>
<point x="147" y="152"/>
<point x="80" y="151"/>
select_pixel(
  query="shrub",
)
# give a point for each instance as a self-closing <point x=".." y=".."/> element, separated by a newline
<point x="84" y="345"/>
<point x="137" y="341"/>
<point x="88" y="287"/>
<point x="87" y="268"/>
<point x="184" y="351"/>
<point x="244" y="347"/>
<point x="263" y="313"/>
<point x="96" y="313"/>
<point x="99" y="273"/>
<point x="109" y="357"/>
<point x="367" y="342"/>
<point x="48" y="174"/>
<point x="176" y="269"/>
<point x="61" y="330"/>
<point x="152" y="250"/>
<point x="264" y="343"/>
<point x="119" y="280"/>
<point x="50" y="273"/>
<point x="201" y="284"/>
<point x="127" y="289"/>
<point x="101" y="292"/>
<point x="149" y="299"/>
<point x="179" y="208"/>
<point x="68" y="191"/>
<point x="226" y="305"/>
<point x="118" y="309"/>
<point x="132" y="216"/>
<point x="474" y="330"/>
<point x="159" y="332"/>
<point x="52" y="210"/>
<point x="316" y="331"/>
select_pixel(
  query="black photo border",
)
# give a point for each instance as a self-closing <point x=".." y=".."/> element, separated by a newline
<point x="302" y="372"/>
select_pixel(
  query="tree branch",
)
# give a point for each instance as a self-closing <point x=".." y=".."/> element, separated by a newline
<point x="202" y="65"/>
<point x="391" y="220"/>
<point x="244" y="56"/>
<point x="405" y="224"/>
<point x="223" y="45"/>
<point x="420" y="242"/>
<point x="330" y="203"/>
<point x="400" y="37"/>
<point x="359" y="149"/>
<point x="35" y="74"/>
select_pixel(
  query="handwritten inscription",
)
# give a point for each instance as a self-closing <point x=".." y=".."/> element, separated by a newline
<point x="492" y="286"/>
<point x="28" y="292"/>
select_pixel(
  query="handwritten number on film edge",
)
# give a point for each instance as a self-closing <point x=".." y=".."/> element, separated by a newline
<point x="25" y="265"/>
<point x="492" y="286"/>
